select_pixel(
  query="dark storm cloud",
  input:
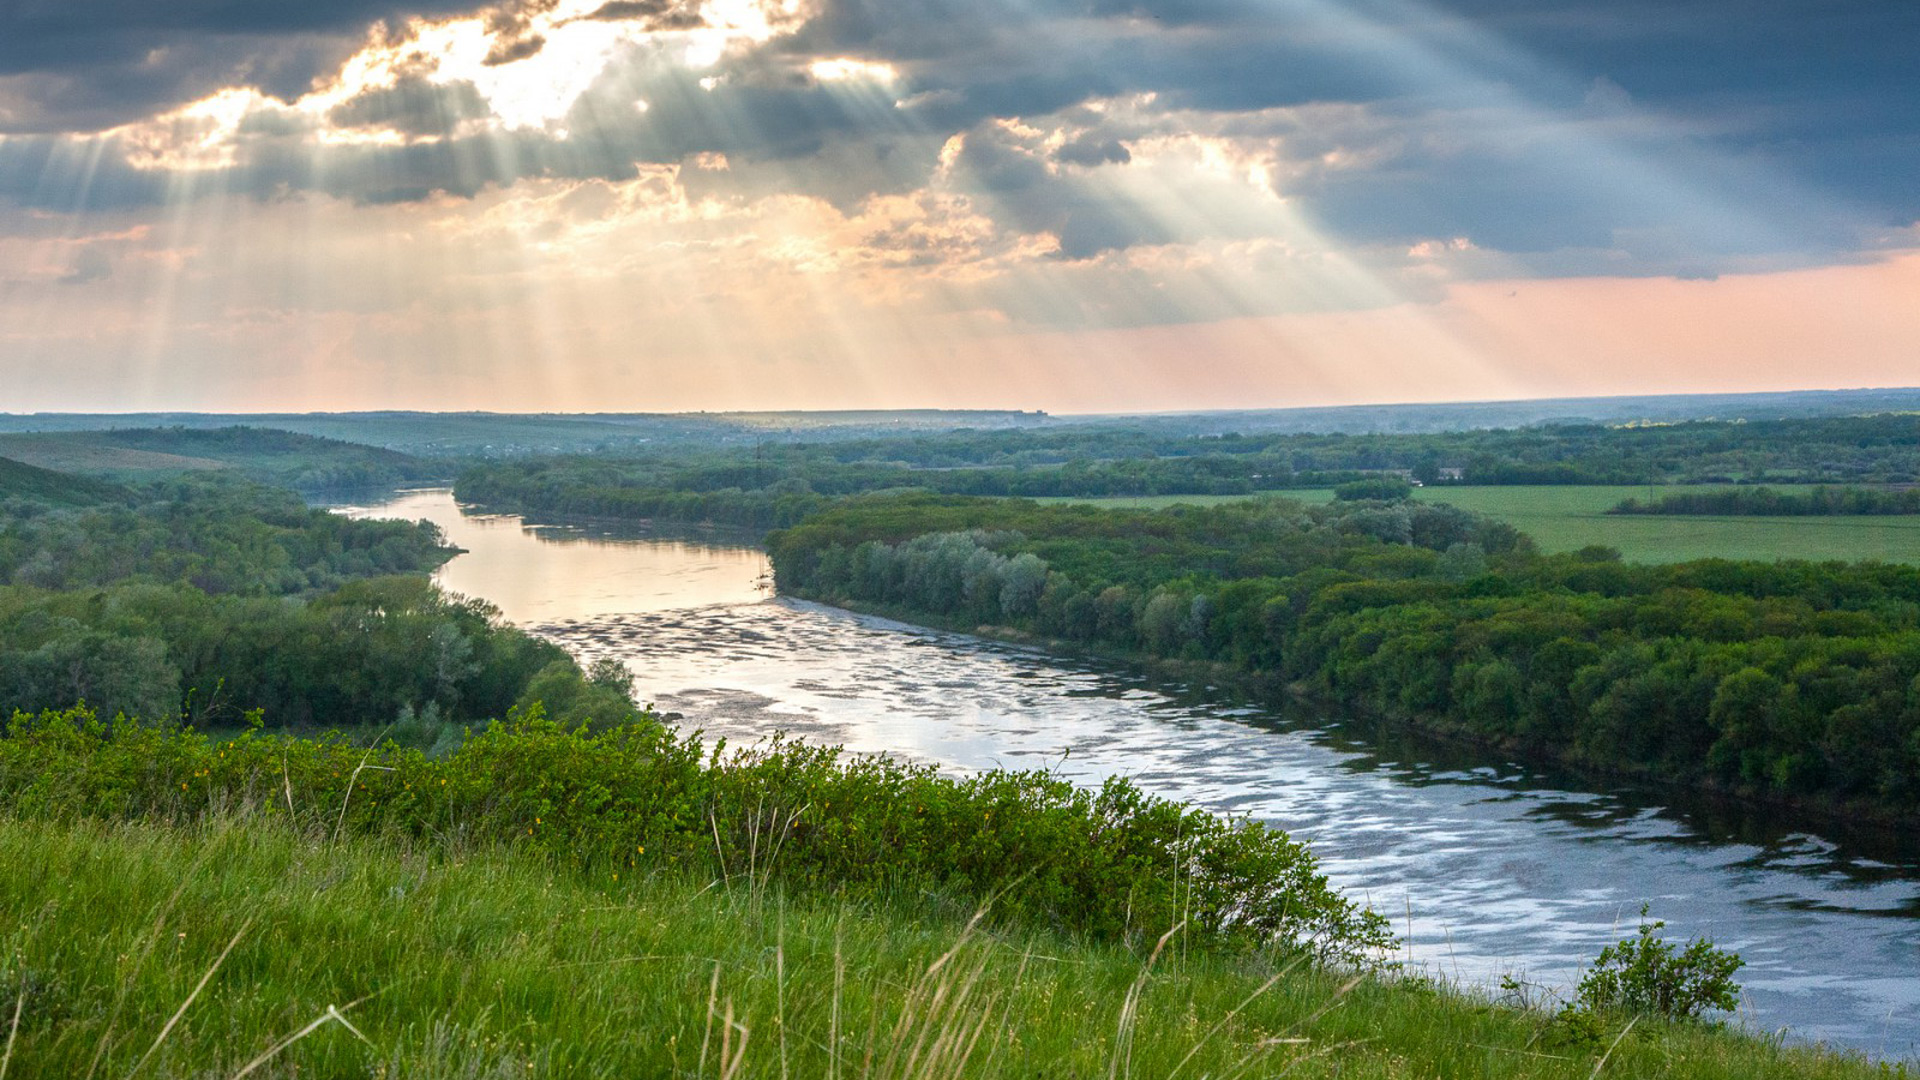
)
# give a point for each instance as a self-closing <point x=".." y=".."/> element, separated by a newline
<point x="510" y="50"/>
<point x="412" y="106"/>
<point x="1798" y="113"/>
<point x="657" y="14"/>
<point x="1091" y="151"/>
<point x="1826" y="90"/>
<point x="1015" y="184"/>
<point x="84" y="65"/>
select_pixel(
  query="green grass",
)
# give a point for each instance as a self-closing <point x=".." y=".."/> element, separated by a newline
<point x="1567" y="518"/>
<point x="133" y="949"/>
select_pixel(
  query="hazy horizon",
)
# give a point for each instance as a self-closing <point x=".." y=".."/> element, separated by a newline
<point x="1009" y="410"/>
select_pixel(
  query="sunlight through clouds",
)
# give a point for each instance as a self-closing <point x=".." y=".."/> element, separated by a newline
<point x="580" y="198"/>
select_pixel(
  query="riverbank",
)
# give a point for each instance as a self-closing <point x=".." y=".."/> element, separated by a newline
<point x="1867" y="826"/>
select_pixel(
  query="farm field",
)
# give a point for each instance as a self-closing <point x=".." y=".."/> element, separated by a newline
<point x="85" y="453"/>
<point x="1567" y="517"/>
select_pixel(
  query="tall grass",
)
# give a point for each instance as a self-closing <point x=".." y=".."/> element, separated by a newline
<point x="238" y="945"/>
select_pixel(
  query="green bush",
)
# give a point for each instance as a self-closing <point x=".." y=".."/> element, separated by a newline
<point x="1111" y="864"/>
<point x="1382" y="488"/>
<point x="1648" y="975"/>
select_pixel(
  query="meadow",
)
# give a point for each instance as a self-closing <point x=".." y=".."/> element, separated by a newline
<point x="242" y="947"/>
<point x="1570" y="517"/>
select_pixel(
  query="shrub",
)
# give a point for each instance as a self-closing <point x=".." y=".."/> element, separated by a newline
<point x="1647" y="974"/>
<point x="1113" y="863"/>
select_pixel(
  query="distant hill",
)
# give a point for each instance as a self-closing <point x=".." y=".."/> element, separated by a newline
<point x="19" y="480"/>
<point x="83" y="452"/>
<point x="497" y="435"/>
<point x="287" y="459"/>
<point x="1427" y="419"/>
<point x="465" y="434"/>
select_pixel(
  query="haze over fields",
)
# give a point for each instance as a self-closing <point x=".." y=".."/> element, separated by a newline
<point x="1077" y="206"/>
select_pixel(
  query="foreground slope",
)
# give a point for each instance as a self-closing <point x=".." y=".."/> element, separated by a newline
<point x="200" y="950"/>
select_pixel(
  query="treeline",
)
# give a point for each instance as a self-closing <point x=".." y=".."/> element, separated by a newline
<point x="1766" y="502"/>
<point x="582" y="488"/>
<point x="209" y="598"/>
<point x="1791" y="681"/>
<point x="219" y="534"/>
<point x="774" y="485"/>
<point x="762" y="494"/>
<point x="1859" y="449"/>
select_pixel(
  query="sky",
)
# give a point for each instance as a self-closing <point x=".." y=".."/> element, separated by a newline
<point x="1072" y="205"/>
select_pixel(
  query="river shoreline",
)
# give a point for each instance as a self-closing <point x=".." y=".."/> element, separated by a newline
<point x="1864" y="825"/>
<point x="1502" y="870"/>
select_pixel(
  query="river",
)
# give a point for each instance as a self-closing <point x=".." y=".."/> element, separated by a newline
<point x="1487" y="872"/>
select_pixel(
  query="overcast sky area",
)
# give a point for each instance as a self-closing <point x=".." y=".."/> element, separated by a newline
<point x="1075" y="205"/>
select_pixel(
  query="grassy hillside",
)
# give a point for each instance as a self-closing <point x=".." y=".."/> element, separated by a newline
<point x="1570" y="517"/>
<point x="198" y="951"/>
<point x="540" y="904"/>
<point x="86" y="453"/>
<point x="19" y="480"/>
<point x="304" y="462"/>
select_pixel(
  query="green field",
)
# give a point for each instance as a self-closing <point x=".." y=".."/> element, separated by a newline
<point x="1566" y="518"/>
<point x="86" y="454"/>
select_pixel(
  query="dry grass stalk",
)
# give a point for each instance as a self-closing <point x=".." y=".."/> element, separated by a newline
<point x="333" y="1015"/>
<point x="936" y="1034"/>
<point x="1602" y="1063"/>
<point x="365" y="764"/>
<point x="1122" y="1061"/>
<point x="167" y="1028"/>
<point x="13" y="1030"/>
<point x="1235" y="1011"/>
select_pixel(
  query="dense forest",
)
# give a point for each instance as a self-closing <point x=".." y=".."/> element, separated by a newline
<point x="1792" y="681"/>
<point x="775" y="485"/>
<point x="208" y="597"/>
